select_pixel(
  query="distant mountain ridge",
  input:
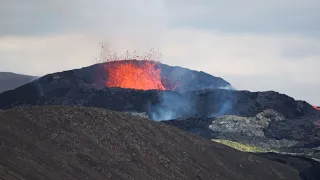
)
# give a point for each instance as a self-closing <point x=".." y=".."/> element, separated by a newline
<point x="9" y="80"/>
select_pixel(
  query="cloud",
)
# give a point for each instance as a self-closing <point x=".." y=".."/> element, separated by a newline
<point x="105" y="16"/>
<point x="285" y="16"/>
<point x="48" y="36"/>
<point x="51" y="17"/>
<point x="253" y="62"/>
<point x="299" y="49"/>
<point x="42" y="55"/>
<point x="304" y="87"/>
<point x="246" y="54"/>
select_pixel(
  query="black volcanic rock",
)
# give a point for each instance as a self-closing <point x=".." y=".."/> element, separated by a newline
<point x="10" y="80"/>
<point x="90" y="143"/>
<point x="296" y="129"/>
<point x="160" y="105"/>
<point x="246" y="126"/>
<point x="308" y="169"/>
<point x="197" y="125"/>
<point x="268" y="130"/>
<point x="189" y="80"/>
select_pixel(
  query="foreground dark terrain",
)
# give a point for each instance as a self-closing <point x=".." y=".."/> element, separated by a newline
<point x="89" y="143"/>
<point x="308" y="168"/>
<point x="10" y="80"/>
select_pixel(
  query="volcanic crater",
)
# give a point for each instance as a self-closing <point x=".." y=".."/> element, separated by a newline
<point x="152" y="75"/>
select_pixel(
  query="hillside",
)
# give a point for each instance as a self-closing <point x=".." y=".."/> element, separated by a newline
<point x="197" y="108"/>
<point x="188" y="93"/>
<point x="159" y="105"/>
<point x="90" y="143"/>
<point x="308" y="168"/>
<point x="10" y="80"/>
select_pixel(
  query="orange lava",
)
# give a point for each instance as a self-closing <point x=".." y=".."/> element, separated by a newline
<point x="132" y="74"/>
<point x="317" y="108"/>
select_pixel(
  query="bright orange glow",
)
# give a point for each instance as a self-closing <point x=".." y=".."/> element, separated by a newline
<point x="317" y="108"/>
<point x="132" y="74"/>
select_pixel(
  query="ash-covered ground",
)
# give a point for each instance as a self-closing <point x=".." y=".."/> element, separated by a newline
<point x="89" y="143"/>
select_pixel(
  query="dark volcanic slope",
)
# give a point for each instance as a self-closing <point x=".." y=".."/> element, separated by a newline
<point x="85" y="87"/>
<point x="10" y="80"/>
<point x="160" y="105"/>
<point x="309" y="169"/>
<point x="189" y="80"/>
<point x="86" y="143"/>
<point x="95" y="77"/>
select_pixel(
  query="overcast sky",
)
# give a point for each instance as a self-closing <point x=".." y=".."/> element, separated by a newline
<point x="255" y="45"/>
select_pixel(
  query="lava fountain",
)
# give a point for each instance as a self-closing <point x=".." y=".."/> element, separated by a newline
<point x="134" y="74"/>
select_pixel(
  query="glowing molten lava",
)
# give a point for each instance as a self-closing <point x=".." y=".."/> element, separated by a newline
<point x="142" y="75"/>
<point x="317" y="108"/>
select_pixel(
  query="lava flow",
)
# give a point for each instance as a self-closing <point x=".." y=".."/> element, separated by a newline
<point x="132" y="74"/>
<point x="316" y="107"/>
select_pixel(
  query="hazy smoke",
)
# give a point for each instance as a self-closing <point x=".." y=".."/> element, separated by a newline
<point x="172" y="105"/>
<point x="225" y="108"/>
<point x="206" y="103"/>
<point x="198" y="94"/>
<point x="228" y="87"/>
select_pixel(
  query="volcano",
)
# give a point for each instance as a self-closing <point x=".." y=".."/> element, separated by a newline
<point x="176" y="96"/>
<point x="163" y="92"/>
